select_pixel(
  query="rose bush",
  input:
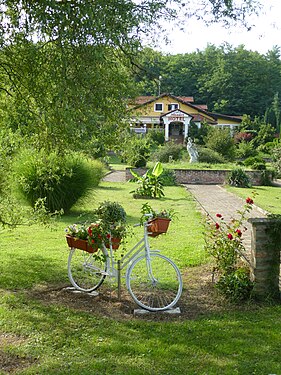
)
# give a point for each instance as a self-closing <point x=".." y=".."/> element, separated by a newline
<point x="224" y="242"/>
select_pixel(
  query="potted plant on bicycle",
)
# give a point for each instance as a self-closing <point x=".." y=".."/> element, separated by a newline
<point x="108" y="227"/>
<point x="158" y="221"/>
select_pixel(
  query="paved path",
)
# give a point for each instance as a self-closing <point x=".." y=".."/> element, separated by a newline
<point x="115" y="176"/>
<point x="213" y="199"/>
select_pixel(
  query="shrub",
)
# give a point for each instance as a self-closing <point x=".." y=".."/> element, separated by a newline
<point x="206" y="155"/>
<point x="238" y="178"/>
<point x="167" y="151"/>
<point x="136" y="151"/>
<point x="276" y="152"/>
<point x="168" y="178"/>
<point x="245" y="150"/>
<point x="221" y="141"/>
<point x="252" y="160"/>
<point x="223" y="241"/>
<point x="60" y="179"/>
<point x="156" y="136"/>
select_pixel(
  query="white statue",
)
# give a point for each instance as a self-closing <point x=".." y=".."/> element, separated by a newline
<point x="193" y="153"/>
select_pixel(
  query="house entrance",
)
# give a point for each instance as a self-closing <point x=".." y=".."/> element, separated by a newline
<point x="176" y="131"/>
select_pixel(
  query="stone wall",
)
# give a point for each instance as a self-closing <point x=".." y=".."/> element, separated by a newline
<point x="265" y="260"/>
<point x="201" y="177"/>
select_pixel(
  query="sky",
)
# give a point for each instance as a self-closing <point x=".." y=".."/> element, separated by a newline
<point x="264" y="35"/>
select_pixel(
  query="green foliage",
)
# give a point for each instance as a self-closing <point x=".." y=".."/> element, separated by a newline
<point x="168" y="177"/>
<point x="60" y="179"/>
<point x="276" y="152"/>
<point x="221" y="141"/>
<point x="266" y="134"/>
<point x="238" y="178"/>
<point x="254" y="162"/>
<point x="111" y="212"/>
<point x="236" y="286"/>
<point x="198" y="134"/>
<point x="223" y="241"/>
<point x="150" y="184"/>
<point x="168" y="151"/>
<point x="136" y="150"/>
<point x="245" y="150"/>
<point x="207" y="155"/>
<point x="156" y="136"/>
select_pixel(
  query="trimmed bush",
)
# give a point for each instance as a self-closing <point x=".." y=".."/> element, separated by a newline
<point x="60" y="179"/>
<point x="206" y="155"/>
<point x="169" y="150"/>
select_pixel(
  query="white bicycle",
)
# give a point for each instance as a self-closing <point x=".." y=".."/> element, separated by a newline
<point x="152" y="279"/>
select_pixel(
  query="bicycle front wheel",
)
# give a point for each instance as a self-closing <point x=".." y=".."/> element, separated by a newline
<point x="154" y="285"/>
<point x="87" y="271"/>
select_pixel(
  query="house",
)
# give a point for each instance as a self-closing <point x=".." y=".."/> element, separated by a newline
<point x="173" y="115"/>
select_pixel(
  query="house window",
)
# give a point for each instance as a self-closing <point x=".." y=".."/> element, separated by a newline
<point x="158" y="107"/>
<point x="173" y="106"/>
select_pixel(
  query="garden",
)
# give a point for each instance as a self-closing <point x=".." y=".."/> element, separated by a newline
<point x="47" y="329"/>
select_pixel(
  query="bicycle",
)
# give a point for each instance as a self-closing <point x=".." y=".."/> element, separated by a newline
<point x="152" y="279"/>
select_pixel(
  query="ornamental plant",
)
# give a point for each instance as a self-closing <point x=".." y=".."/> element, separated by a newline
<point x="224" y="242"/>
<point x="163" y="213"/>
<point x="109" y="222"/>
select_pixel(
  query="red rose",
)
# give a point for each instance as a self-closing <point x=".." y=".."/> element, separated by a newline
<point x="93" y="241"/>
<point x="108" y="235"/>
<point x="249" y="200"/>
<point x="230" y="236"/>
<point x="239" y="233"/>
<point x="217" y="226"/>
<point x="218" y="215"/>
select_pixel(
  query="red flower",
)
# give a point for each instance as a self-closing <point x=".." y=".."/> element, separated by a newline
<point x="218" y="215"/>
<point x="90" y="231"/>
<point x="93" y="241"/>
<point x="239" y="233"/>
<point x="249" y="200"/>
<point x="217" y="226"/>
<point x="108" y="235"/>
<point x="230" y="236"/>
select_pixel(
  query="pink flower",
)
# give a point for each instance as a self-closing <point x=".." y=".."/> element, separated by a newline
<point x="249" y="200"/>
<point x="239" y="233"/>
<point x="230" y="236"/>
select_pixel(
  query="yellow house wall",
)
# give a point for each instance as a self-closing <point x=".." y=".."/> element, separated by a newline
<point x="148" y="109"/>
<point x="222" y="121"/>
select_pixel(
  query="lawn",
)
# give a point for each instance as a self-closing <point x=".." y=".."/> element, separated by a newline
<point x="268" y="197"/>
<point x="46" y="330"/>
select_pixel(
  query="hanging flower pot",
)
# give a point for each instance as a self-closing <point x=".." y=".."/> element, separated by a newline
<point x="158" y="226"/>
<point x="77" y="243"/>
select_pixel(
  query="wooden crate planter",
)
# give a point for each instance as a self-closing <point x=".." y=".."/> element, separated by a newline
<point x="158" y="226"/>
<point x="77" y="243"/>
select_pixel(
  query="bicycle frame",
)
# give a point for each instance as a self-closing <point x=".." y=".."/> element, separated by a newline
<point x="142" y="246"/>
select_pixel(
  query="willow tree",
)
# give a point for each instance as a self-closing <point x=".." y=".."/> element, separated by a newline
<point x="65" y="65"/>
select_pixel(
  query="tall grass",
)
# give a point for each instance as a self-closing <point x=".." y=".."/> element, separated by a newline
<point x="60" y="179"/>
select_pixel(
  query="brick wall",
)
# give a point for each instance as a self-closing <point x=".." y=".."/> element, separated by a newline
<point x="200" y="177"/>
<point x="265" y="260"/>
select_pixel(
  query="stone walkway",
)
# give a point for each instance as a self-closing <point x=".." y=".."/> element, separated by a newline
<point x="213" y="199"/>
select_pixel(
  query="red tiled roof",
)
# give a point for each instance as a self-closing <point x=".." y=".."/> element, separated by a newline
<point x="188" y="99"/>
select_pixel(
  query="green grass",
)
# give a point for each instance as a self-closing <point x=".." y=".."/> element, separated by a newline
<point x="71" y="336"/>
<point x="268" y="197"/>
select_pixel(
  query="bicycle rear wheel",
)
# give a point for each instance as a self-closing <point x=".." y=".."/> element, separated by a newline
<point x="87" y="271"/>
<point x="159" y="290"/>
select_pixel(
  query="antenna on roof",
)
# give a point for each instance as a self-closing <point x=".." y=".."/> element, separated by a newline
<point x="159" y="86"/>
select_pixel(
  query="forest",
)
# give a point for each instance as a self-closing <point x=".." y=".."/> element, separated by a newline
<point x="230" y="80"/>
